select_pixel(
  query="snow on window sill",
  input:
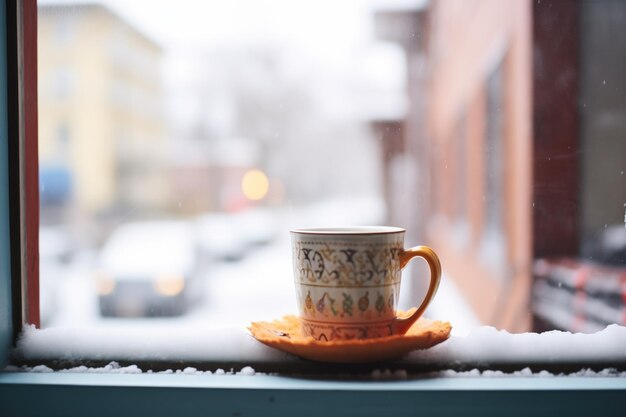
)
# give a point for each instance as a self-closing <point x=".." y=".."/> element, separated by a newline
<point x="385" y="374"/>
<point x="482" y="347"/>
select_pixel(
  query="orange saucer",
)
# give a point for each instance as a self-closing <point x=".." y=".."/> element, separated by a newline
<point x="285" y="335"/>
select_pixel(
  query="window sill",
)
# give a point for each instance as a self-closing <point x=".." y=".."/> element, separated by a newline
<point x="156" y="394"/>
<point x="210" y="349"/>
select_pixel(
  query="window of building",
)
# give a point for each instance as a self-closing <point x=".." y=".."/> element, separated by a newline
<point x="78" y="394"/>
<point x="240" y="131"/>
<point x="461" y="157"/>
<point x="62" y="80"/>
<point x="63" y="139"/>
<point x="495" y="168"/>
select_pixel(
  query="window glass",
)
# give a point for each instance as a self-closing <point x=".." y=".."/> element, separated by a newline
<point x="494" y="209"/>
<point x="180" y="141"/>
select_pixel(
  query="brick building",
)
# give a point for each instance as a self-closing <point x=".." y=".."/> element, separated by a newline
<point x="508" y="159"/>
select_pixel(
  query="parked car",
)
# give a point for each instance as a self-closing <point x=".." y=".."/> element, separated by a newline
<point x="221" y="237"/>
<point x="229" y="236"/>
<point x="149" y="268"/>
<point x="259" y="225"/>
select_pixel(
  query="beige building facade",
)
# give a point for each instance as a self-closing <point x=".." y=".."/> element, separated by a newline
<point x="100" y="116"/>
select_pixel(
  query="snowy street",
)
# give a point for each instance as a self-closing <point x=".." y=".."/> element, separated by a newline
<point x="259" y="286"/>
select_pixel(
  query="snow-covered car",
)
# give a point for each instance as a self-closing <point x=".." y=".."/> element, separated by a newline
<point x="149" y="268"/>
<point x="259" y="225"/>
<point x="229" y="236"/>
<point x="221" y="236"/>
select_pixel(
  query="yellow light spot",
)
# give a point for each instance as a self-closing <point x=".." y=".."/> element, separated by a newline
<point x="169" y="285"/>
<point x="255" y="184"/>
<point x="105" y="284"/>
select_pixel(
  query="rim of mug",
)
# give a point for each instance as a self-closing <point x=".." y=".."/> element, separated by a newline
<point x="350" y="230"/>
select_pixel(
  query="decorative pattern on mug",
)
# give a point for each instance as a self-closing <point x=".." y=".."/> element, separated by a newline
<point x="347" y="266"/>
<point x="326" y="306"/>
<point x="327" y="332"/>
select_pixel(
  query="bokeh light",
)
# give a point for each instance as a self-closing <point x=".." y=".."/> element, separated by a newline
<point x="255" y="184"/>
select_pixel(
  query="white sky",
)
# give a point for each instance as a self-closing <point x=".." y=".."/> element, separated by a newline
<point x="325" y="27"/>
<point x="336" y="37"/>
<point x="334" y="24"/>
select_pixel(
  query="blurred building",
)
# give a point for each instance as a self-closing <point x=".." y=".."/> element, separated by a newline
<point x="515" y="171"/>
<point x="101" y="130"/>
<point x="206" y="175"/>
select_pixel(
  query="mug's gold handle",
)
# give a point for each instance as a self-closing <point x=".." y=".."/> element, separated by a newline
<point x="429" y="255"/>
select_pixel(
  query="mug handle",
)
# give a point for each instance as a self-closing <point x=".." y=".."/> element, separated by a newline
<point x="429" y="255"/>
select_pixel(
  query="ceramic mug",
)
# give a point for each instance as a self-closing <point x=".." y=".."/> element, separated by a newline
<point x="348" y="280"/>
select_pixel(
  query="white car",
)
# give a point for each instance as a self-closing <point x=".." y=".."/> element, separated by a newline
<point x="259" y="225"/>
<point x="221" y="236"/>
<point x="229" y="236"/>
<point x="148" y="268"/>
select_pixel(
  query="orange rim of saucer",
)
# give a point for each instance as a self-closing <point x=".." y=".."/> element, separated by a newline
<point x="286" y="336"/>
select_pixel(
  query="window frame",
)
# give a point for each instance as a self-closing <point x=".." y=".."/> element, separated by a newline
<point x="76" y="394"/>
<point x="22" y="157"/>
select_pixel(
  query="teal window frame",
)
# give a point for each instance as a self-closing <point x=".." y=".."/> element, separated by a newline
<point x="6" y="316"/>
<point x="24" y="393"/>
<point x="202" y="395"/>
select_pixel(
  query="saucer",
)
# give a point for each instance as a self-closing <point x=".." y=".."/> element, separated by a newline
<point x="285" y="335"/>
